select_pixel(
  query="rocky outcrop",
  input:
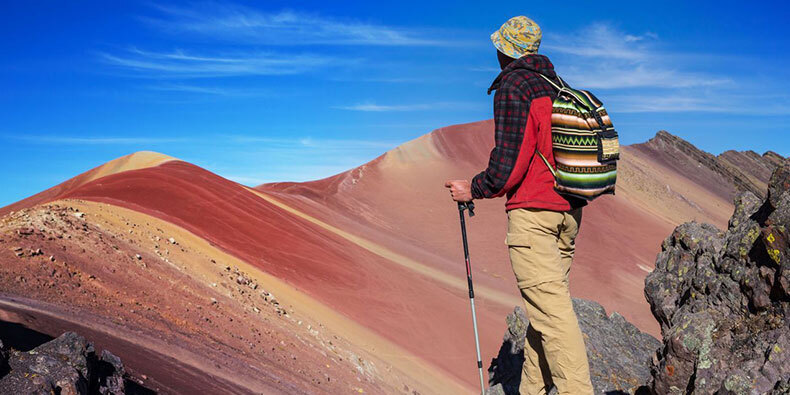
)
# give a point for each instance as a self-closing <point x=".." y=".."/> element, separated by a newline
<point x="618" y="352"/>
<point x="3" y="360"/>
<point x="723" y="300"/>
<point x="65" y="365"/>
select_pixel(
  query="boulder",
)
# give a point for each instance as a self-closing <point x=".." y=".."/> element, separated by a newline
<point x="3" y="360"/>
<point x="58" y="366"/>
<point x="65" y="365"/>
<point x="110" y="374"/>
<point x="619" y="354"/>
<point x="723" y="300"/>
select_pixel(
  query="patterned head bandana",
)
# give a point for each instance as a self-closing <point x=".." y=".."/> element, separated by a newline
<point x="519" y="36"/>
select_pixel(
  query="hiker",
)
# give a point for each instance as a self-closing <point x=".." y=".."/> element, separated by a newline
<point x="542" y="224"/>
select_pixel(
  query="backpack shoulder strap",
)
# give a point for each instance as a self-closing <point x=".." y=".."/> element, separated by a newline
<point x="563" y="88"/>
<point x="557" y="87"/>
<point x="546" y="161"/>
<point x="537" y="151"/>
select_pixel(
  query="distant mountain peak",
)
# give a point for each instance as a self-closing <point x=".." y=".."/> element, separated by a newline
<point x="745" y="170"/>
<point x="663" y="134"/>
<point x="664" y="138"/>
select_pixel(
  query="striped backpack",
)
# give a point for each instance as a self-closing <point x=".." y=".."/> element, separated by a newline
<point x="585" y="144"/>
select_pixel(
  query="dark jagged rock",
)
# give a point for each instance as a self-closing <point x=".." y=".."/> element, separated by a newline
<point x="65" y="365"/>
<point x="723" y="300"/>
<point x="110" y="374"/>
<point x="59" y="366"/>
<point x="618" y="352"/>
<point x="782" y="388"/>
<point x="779" y="184"/>
<point x="3" y="360"/>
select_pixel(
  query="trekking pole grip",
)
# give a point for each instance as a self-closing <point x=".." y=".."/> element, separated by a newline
<point x="470" y="205"/>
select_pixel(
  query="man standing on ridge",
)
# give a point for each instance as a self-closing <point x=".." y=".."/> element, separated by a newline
<point x="542" y="224"/>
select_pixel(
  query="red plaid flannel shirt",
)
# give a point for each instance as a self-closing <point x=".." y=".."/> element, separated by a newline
<point x="517" y="86"/>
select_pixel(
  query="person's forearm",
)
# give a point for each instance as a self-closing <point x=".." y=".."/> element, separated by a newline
<point x="485" y="186"/>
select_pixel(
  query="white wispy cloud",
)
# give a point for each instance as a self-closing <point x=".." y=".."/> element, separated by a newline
<point x="614" y="75"/>
<point x="600" y="40"/>
<point x="54" y="139"/>
<point x="190" y="88"/>
<point x="257" y="141"/>
<point x="373" y="107"/>
<point x="311" y="142"/>
<point x="665" y="103"/>
<point x="386" y="80"/>
<point x="181" y="64"/>
<point x="602" y="57"/>
<point x="210" y="90"/>
<point x="648" y="35"/>
<point x="239" y="23"/>
<point x="486" y="69"/>
<point x="699" y="102"/>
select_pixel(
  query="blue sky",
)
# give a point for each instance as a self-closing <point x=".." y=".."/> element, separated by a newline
<point x="298" y="90"/>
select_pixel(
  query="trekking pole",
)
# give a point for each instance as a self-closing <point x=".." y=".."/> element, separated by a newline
<point x="471" y="207"/>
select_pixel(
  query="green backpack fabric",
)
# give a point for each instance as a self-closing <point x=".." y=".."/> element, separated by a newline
<point x="585" y="144"/>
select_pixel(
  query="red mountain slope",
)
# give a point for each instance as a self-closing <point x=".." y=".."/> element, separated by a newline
<point x="379" y="245"/>
<point x="398" y="200"/>
<point x="390" y="299"/>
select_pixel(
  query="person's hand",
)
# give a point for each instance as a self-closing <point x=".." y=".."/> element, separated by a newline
<point x="460" y="190"/>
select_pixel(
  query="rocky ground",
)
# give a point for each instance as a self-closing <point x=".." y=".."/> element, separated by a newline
<point x="618" y="352"/>
<point x="91" y="266"/>
<point x="723" y="300"/>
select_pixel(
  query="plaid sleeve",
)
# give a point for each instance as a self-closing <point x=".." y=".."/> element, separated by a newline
<point x="511" y="109"/>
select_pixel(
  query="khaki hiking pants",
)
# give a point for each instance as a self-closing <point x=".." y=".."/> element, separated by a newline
<point x="541" y="245"/>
